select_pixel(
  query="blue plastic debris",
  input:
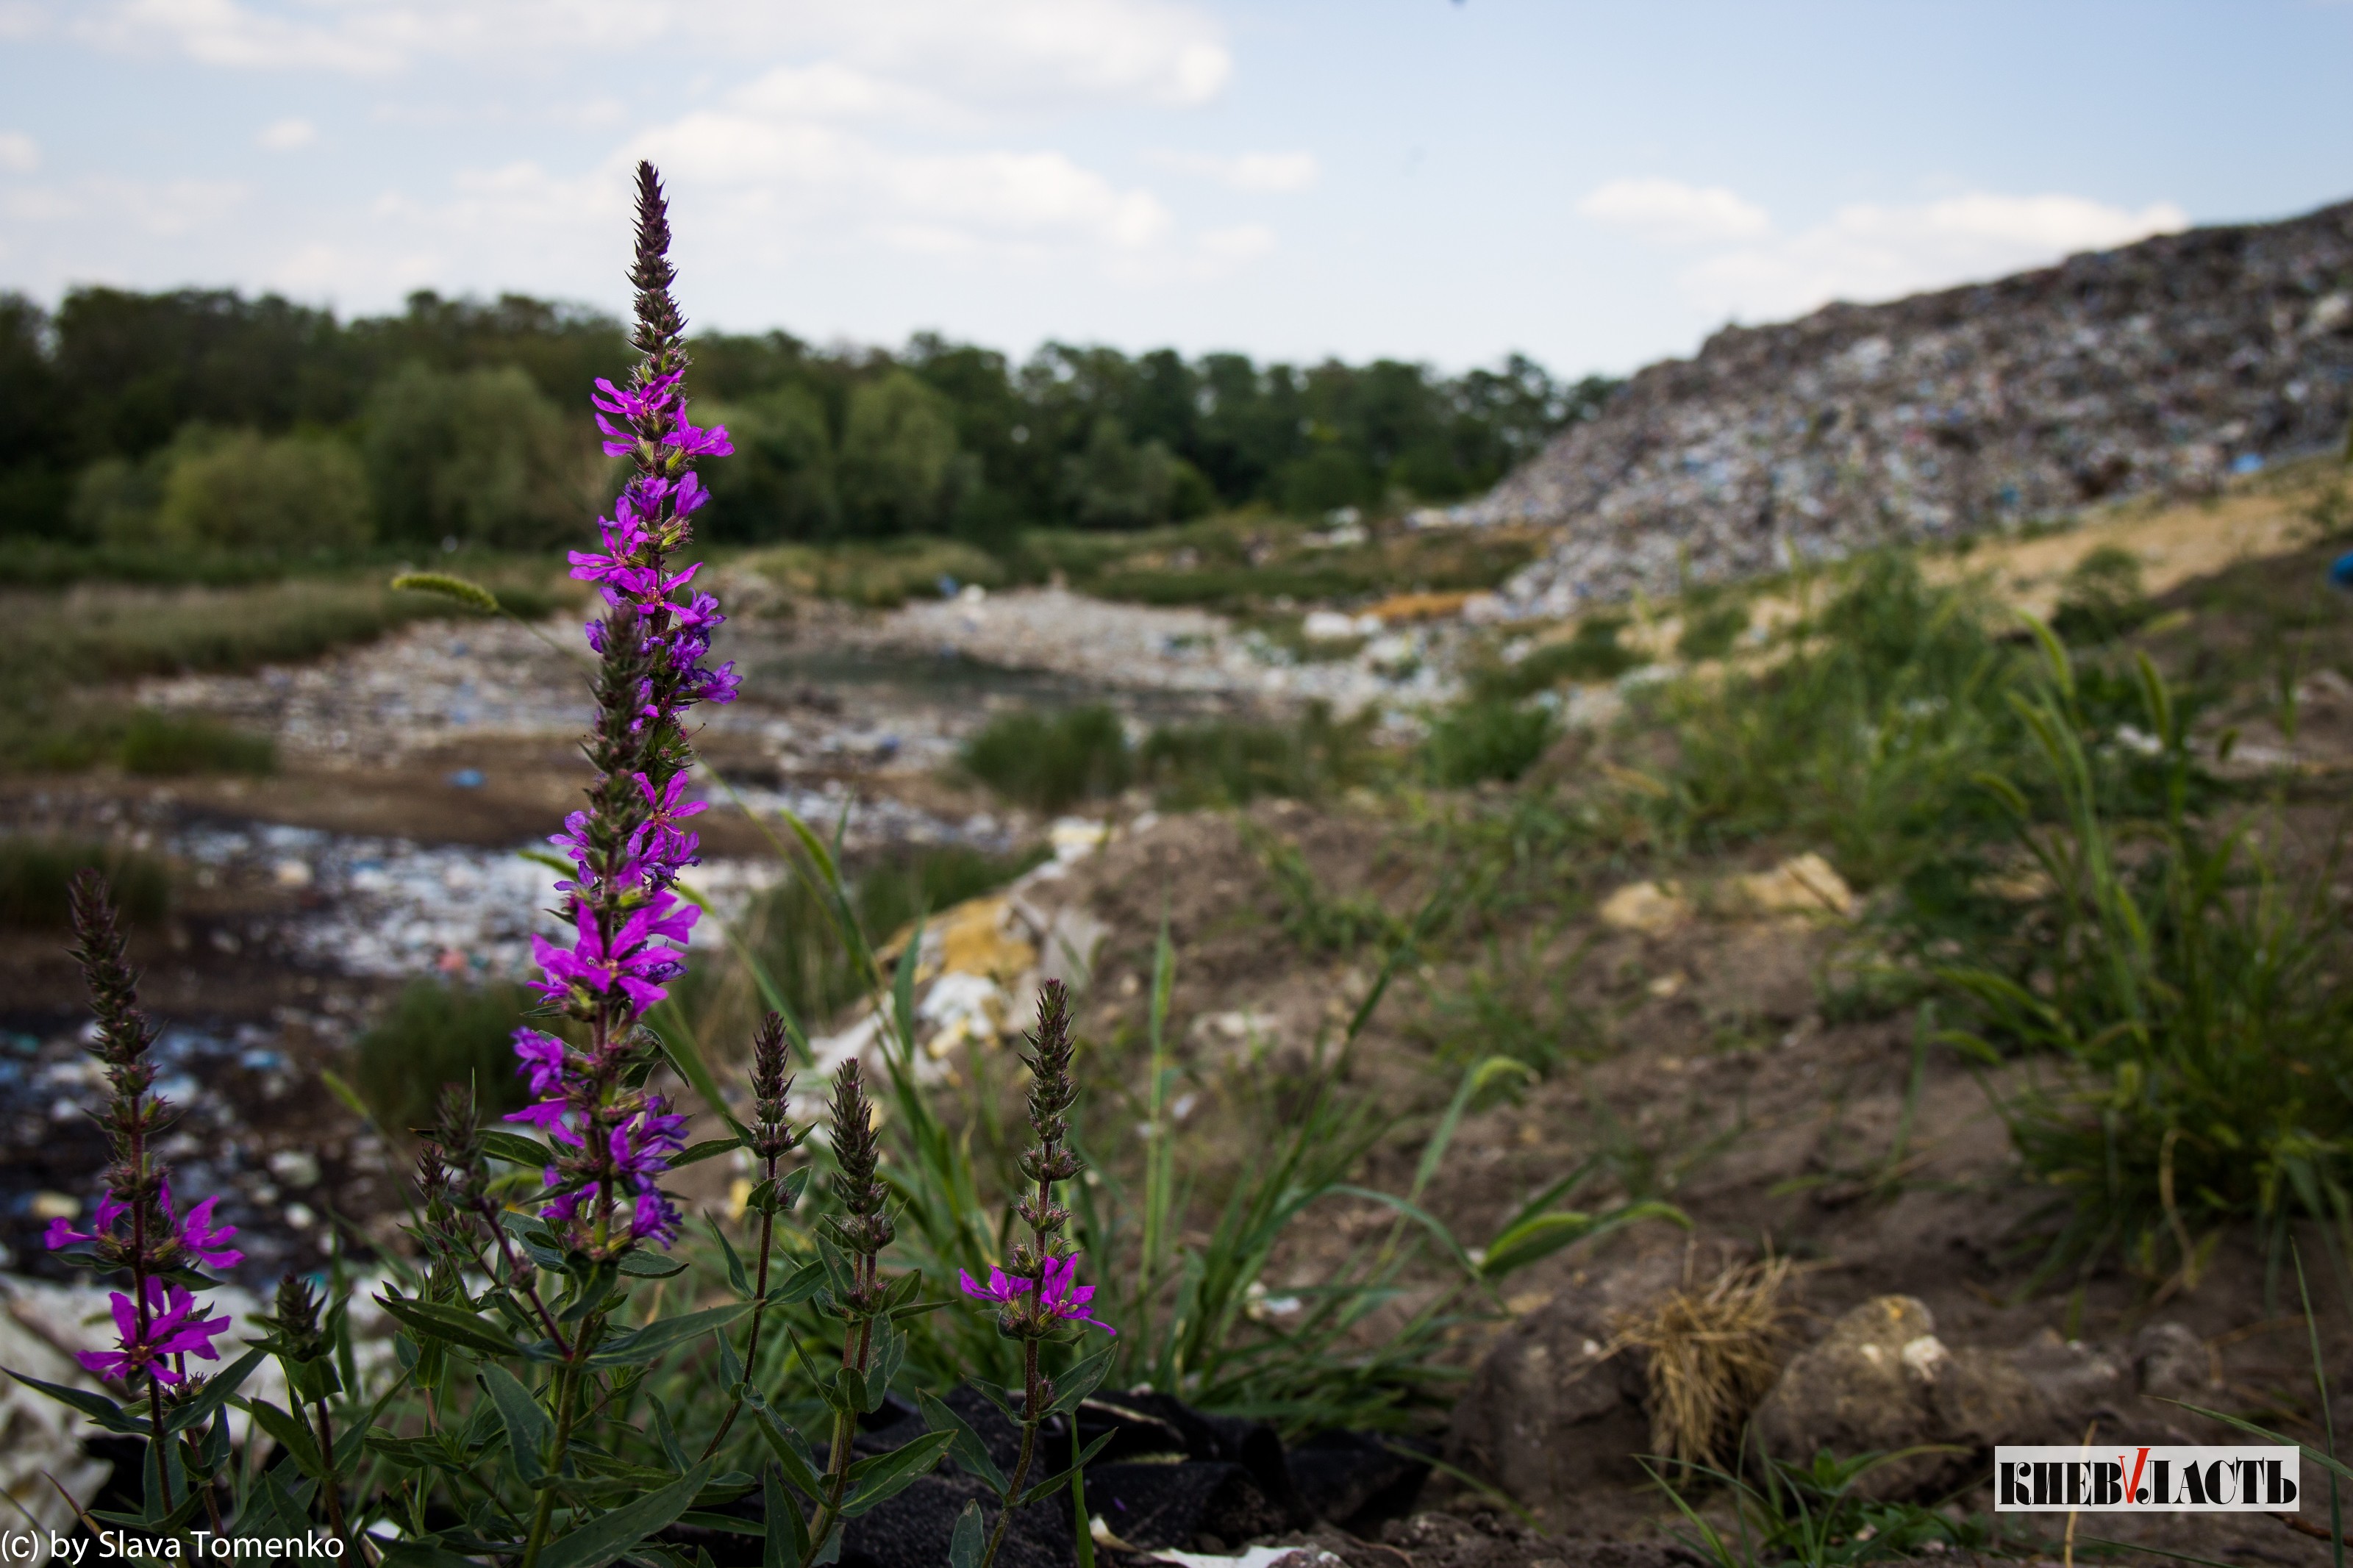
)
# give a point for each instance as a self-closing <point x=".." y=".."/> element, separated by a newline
<point x="466" y="778"/>
<point x="2247" y="463"/>
<point x="2340" y="575"/>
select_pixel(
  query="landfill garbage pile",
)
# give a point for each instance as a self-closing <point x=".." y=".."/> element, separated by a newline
<point x="2161" y="367"/>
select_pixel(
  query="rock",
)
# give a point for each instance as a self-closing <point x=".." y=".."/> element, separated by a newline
<point x="1552" y="1417"/>
<point x="1865" y="1387"/>
<point x="1653" y="908"/>
<point x="1804" y="885"/>
<point x="1880" y="1380"/>
<point x="2172" y="1363"/>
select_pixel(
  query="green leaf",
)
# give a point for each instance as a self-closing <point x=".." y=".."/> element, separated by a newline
<point x="216" y="1392"/>
<point x="971" y="1534"/>
<point x="963" y="1441"/>
<point x="838" y="1279"/>
<point x="528" y="1428"/>
<point x="792" y="1456"/>
<point x="434" y="1320"/>
<point x="293" y="1434"/>
<point x="872" y="1481"/>
<point x="423" y="1554"/>
<point x="786" y="1540"/>
<point x="709" y="1149"/>
<point x="643" y="1265"/>
<point x="803" y="1283"/>
<point x="790" y="1186"/>
<point x="1547" y="1234"/>
<point x="636" y="1347"/>
<point x="340" y="1087"/>
<point x="608" y="1536"/>
<point x="737" y="1279"/>
<point x="515" y="1149"/>
<point x="1079" y="1381"/>
<point x="1061" y="1477"/>
<point x="97" y="1407"/>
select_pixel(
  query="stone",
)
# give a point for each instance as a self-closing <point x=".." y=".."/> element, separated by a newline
<point x="1865" y="1387"/>
<point x="2172" y="1363"/>
<point x="1804" y="885"/>
<point x="1653" y="908"/>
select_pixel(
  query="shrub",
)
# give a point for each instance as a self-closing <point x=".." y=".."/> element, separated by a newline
<point x="1052" y="762"/>
<point x="2102" y="598"/>
<point x="164" y="745"/>
<point x="1711" y="630"/>
<point x="900" y="471"/>
<point x="34" y="874"/>
<point x="1486" y="737"/>
<point x="439" y="1034"/>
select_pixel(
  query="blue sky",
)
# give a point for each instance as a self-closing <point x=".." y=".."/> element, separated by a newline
<point x="1597" y="184"/>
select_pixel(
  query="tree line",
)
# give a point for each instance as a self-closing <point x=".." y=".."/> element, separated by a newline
<point x="202" y="417"/>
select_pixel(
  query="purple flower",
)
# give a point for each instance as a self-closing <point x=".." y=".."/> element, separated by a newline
<point x="542" y="1057"/>
<point x="196" y="1233"/>
<point x="175" y="1328"/>
<point x="627" y="963"/>
<point x="1064" y="1299"/>
<point x="1001" y="1287"/>
<point x="698" y="443"/>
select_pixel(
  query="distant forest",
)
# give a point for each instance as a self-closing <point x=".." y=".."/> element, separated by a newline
<point x="204" y="418"/>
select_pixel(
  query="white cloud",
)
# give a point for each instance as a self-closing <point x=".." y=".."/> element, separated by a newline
<point x="286" y="135"/>
<point x="1870" y="251"/>
<point x="1013" y="53"/>
<point x="1673" y="213"/>
<point x="831" y="89"/>
<point x="19" y="153"/>
<point x="1248" y="171"/>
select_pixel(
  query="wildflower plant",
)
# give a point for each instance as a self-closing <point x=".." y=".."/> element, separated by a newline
<point x="521" y="1422"/>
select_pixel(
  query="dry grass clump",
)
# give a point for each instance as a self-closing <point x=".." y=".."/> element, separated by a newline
<point x="1713" y="1351"/>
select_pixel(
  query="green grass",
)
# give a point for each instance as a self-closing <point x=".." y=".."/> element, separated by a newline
<point x="167" y="745"/>
<point x="1486" y="738"/>
<point x="1052" y="762"/>
<point x="36" y="873"/>
<point x="2184" y="988"/>
<point x="880" y="574"/>
<point x="439" y="1034"/>
<point x="1590" y="654"/>
<point x="1231" y="762"/>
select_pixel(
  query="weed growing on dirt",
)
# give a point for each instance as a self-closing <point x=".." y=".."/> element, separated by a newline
<point x="436" y="1035"/>
<point x="36" y="879"/>
<point x="1487" y="739"/>
<point x="2102" y="600"/>
<point x="2188" y="989"/>
<point x="1812" y="1516"/>
<point x="1590" y="653"/>
<point x="1052" y="762"/>
<point x="1712" y="627"/>
<point x="1231" y="762"/>
<point x="167" y="745"/>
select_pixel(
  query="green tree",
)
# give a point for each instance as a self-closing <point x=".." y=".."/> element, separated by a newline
<point x="1114" y="482"/>
<point x="901" y="471"/>
<point x="780" y="483"/>
<point x="243" y="488"/>
<point x="477" y="455"/>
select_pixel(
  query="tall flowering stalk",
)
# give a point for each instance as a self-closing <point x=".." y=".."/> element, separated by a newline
<point x="626" y="925"/>
<point x="1037" y="1292"/>
<point x="138" y="1233"/>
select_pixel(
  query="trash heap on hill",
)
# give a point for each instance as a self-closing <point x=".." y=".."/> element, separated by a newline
<point x="2160" y="367"/>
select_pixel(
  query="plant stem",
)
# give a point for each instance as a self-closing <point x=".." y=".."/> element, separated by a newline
<point x="567" y="1395"/>
<point x="328" y="1485"/>
<point x="1032" y="1414"/>
<point x="750" y="1341"/>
